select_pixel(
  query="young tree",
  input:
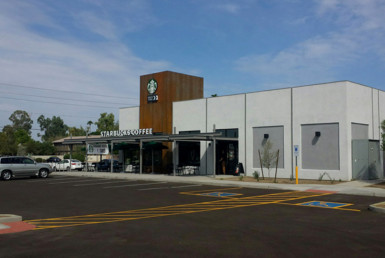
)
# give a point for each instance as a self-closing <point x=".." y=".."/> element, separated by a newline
<point x="53" y="128"/>
<point x="268" y="156"/>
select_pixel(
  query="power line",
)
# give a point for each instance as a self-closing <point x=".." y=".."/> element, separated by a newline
<point x="32" y="112"/>
<point x="84" y="93"/>
<point x="82" y="100"/>
<point x="49" y="102"/>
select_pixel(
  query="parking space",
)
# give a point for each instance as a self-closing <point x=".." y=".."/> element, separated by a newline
<point x="82" y="196"/>
<point x="135" y="216"/>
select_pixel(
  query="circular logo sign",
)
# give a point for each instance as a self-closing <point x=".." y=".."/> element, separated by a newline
<point x="152" y="85"/>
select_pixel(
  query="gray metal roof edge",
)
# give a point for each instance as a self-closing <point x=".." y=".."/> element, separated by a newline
<point x="137" y="138"/>
<point x="285" y="88"/>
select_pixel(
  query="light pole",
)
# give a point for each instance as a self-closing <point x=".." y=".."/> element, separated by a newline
<point x="87" y="150"/>
<point x="87" y="131"/>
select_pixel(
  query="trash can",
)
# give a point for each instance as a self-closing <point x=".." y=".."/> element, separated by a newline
<point x="239" y="169"/>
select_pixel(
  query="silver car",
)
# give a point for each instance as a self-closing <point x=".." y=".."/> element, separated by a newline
<point x="17" y="166"/>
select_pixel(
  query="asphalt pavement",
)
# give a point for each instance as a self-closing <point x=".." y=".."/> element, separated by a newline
<point x="361" y="188"/>
<point x="351" y="188"/>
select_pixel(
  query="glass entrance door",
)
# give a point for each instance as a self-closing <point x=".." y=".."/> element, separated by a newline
<point x="226" y="157"/>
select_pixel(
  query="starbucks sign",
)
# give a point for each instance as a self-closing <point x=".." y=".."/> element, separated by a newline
<point x="152" y="86"/>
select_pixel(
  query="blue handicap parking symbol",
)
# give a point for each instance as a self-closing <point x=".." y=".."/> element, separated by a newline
<point x="219" y="194"/>
<point x="324" y="204"/>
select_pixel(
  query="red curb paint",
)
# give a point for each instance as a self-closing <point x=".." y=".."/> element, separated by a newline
<point x="320" y="191"/>
<point x="15" y="227"/>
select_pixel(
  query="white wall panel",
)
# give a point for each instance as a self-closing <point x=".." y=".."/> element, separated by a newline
<point x="269" y="108"/>
<point x="129" y="118"/>
<point x="322" y="103"/>
<point x="189" y="115"/>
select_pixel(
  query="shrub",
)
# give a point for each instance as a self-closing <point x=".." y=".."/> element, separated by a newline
<point x="256" y="175"/>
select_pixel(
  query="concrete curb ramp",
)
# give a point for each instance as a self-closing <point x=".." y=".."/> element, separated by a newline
<point x="10" y="223"/>
<point x="8" y="218"/>
<point x="5" y="218"/>
<point x="378" y="207"/>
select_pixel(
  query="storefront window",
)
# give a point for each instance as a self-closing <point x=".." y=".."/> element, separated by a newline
<point x="189" y="153"/>
<point x="228" y="133"/>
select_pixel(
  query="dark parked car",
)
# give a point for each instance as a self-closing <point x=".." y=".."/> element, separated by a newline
<point x="17" y="166"/>
<point x="53" y="160"/>
<point x="105" y="165"/>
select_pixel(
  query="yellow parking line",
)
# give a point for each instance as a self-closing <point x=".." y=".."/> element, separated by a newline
<point x="228" y="203"/>
<point x="200" y="192"/>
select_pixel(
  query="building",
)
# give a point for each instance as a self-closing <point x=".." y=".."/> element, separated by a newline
<point x="328" y="129"/>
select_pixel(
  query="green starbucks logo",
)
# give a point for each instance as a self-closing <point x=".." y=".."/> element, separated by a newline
<point x="152" y="85"/>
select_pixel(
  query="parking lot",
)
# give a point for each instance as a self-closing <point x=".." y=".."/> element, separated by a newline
<point x="83" y="217"/>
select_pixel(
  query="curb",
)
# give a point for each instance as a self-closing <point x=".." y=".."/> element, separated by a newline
<point x="10" y="223"/>
<point x="6" y="218"/>
<point x="2" y="226"/>
<point x="378" y="207"/>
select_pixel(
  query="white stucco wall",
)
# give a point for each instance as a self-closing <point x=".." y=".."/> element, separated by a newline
<point x="189" y="115"/>
<point x="381" y="114"/>
<point x="129" y="118"/>
<point x="269" y="108"/>
<point x="227" y="112"/>
<point x="318" y="104"/>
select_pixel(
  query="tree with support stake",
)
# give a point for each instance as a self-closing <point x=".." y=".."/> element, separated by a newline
<point x="260" y="162"/>
<point x="276" y="167"/>
<point x="268" y="158"/>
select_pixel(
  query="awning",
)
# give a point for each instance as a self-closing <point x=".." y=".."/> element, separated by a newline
<point x="150" y="138"/>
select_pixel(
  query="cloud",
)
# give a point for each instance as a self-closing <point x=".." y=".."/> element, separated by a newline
<point x="102" y="27"/>
<point x="38" y="50"/>
<point x="228" y="7"/>
<point x="27" y="52"/>
<point x="356" y="32"/>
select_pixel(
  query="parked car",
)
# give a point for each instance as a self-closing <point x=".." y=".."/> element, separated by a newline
<point x="105" y="165"/>
<point x="89" y="167"/>
<point x="52" y="161"/>
<point x="65" y="164"/>
<point x="18" y="166"/>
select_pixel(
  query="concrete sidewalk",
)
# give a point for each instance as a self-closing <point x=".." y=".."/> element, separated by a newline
<point x="351" y="188"/>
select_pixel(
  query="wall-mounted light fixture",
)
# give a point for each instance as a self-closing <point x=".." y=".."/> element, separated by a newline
<point x="317" y="134"/>
<point x="266" y="136"/>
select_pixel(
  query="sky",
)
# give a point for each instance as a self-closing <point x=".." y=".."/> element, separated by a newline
<point x="79" y="58"/>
